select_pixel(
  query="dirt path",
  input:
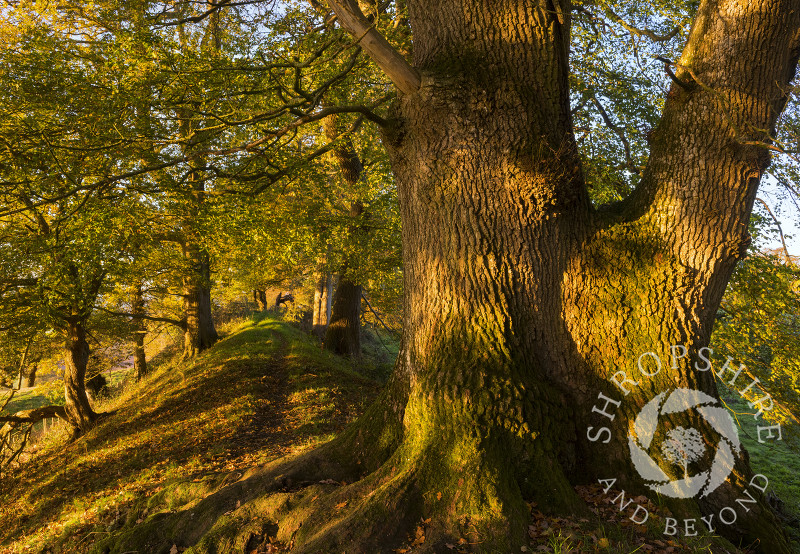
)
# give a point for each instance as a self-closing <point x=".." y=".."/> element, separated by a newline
<point x="268" y="428"/>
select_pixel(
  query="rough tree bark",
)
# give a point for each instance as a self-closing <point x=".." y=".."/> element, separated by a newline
<point x="521" y="299"/>
<point x="343" y="335"/>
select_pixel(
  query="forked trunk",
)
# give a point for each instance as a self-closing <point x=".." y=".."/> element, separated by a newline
<point x="522" y="302"/>
<point x="79" y="412"/>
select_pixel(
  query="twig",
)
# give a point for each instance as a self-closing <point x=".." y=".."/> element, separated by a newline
<point x="377" y="316"/>
<point x="780" y="230"/>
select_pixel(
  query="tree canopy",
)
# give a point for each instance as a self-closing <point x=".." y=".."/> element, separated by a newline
<point x="535" y="193"/>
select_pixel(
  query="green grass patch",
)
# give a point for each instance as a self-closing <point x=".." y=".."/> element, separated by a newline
<point x="264" y="391"/>
<point x="778" y="460"/>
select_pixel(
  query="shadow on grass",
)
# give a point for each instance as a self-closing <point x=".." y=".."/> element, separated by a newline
<point x="263" y="392"/>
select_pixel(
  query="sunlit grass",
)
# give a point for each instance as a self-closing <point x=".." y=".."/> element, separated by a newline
<point x="264" y="391"/>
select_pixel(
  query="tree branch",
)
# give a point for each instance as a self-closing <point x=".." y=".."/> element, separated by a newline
<point x="620" y="133"/>
<point x="177" y="322"/>
<point x="780" y="230"/>
<point x="405" y="77"/>
<point x="35" y="415"/>
<point x="393" y="332"/>
<point x="641" y="32"/>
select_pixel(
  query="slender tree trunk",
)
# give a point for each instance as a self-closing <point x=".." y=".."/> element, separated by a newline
<point x="140" y="368"/>
<point x="23" y="362"/>
<point x="139" y="333"/>
<point x="323" y="296"/>
<point x="199" y="332"/>
<point x="79" y="411"/>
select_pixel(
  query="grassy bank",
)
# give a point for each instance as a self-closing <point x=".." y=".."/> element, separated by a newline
<point x="189" y="430"/>
<point x="263" y="392"/>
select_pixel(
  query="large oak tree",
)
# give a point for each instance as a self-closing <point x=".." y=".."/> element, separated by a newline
<point x="522" y="299"/>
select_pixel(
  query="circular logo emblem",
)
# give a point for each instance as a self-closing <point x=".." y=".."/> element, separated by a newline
<point x="682" y="446"/>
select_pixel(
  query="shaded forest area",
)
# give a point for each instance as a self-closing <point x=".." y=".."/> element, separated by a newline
<point x="360" y="276"/>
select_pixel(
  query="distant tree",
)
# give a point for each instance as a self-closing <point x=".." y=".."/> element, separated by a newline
<point x="759" y="324"/>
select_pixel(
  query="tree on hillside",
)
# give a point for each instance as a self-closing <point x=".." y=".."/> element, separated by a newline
<point x="53" y="281"/>
<point x="343" y="334"/>
<point x="522" y="299"/>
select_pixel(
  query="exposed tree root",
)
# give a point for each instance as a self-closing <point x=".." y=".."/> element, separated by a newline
<point x="429" y="493"/>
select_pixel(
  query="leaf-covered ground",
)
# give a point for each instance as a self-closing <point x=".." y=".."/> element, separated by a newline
<point x="263" y="392"/>
<point x="185" y="431"/>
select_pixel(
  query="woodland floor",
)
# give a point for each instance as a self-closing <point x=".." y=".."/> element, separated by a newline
<point x="265" y="391"/>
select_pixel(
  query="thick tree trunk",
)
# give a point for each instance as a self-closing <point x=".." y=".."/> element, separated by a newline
<point x="323" y="296"/>
<point x="139" y="333"/>
<point x="522" y="302"/>
<point x="260" y="298"/>
<point x="343" y="335"/>
<point x="199" y="332"/>
<point x="31" y="377"/>
<point x="79" y="412"/>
